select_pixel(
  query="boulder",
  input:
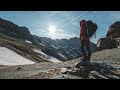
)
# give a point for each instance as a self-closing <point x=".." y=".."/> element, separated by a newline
<point x="114" y="30"/>
<point x="105" y="43"/>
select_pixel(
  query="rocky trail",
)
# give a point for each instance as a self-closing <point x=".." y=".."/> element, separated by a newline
<point x="74" y="69"/>
<point x="103" y="65"/>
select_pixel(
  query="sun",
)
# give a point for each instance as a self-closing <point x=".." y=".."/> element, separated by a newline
<point x="52" y="29"/>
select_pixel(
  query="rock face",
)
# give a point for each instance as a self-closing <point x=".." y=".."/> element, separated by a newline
<point x="109" y="41"/>
<point x="114" y="30"/>
<point x="10" y="29"/>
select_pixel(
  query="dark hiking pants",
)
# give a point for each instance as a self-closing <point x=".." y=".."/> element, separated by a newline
<point x="85" y="44"/>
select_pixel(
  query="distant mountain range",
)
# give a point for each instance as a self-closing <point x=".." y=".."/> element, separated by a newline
<point x="70" y="48"/>
<point x="14" y="36"/>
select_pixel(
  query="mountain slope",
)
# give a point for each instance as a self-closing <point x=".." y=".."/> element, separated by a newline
<point x="20" y="40"/>
<point x="10" y="29"/>
<point x="20" y="47"/>
<point x="68" y="48"/>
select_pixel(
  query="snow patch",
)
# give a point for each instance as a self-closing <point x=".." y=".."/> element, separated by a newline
<point x="75" y="54"/>
<point x="54" y="46"/>
<point x="71" y="55"/>
<point x="28" y="41"/>
<point x="41" y="44"/>
<point x="9" y="57"/>
<point x="50" y="58"/>
<point x="13" y="33"/>
<point x="53" y="59"/>
<point x="40" y="52"/>
<point x="62" y="55"/>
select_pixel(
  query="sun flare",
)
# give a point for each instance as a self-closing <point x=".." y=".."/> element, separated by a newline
<point x="52" y="29"/>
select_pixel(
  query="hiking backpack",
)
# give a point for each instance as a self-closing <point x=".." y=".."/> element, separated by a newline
<point x="91" y="28"/>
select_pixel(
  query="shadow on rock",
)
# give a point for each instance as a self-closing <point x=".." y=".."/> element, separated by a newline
<point x="103" y="70"/>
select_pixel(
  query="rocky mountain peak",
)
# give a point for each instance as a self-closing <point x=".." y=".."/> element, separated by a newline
<point x="114" y="30"/>
<point x="11" y="29"/>
<point x="110" y="41"/>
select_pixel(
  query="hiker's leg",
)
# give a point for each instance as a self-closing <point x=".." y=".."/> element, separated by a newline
<point x="88" y="49"/>
<point x="83" y="48"/>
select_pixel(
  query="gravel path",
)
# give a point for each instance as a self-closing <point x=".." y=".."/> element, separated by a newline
<point x="111" y="56"/>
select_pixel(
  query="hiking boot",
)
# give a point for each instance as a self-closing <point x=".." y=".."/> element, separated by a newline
<point x="88" y="58"/>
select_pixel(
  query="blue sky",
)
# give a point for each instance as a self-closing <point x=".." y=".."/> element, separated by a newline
<point x="64" y="24"/>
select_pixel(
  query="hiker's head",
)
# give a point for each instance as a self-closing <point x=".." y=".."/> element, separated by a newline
<point x="82" y="22"/>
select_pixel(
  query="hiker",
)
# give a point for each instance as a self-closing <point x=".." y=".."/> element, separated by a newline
<point x="85" y="40"/>
<point x="88" y="29"/>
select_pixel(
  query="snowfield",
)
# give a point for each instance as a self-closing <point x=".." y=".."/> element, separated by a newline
<point x="40" y="52"/>
<point x="50" y="58"/>
<point x="53" y="59"/>
<point x="9" y="57"/>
